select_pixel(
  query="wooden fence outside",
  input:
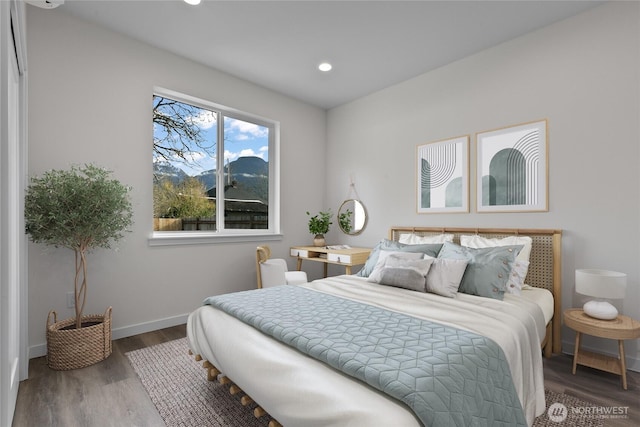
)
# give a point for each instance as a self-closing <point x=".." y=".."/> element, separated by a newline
<point x="238" y="222"/>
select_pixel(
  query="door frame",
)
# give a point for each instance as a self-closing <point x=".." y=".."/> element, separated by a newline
<point x="14" y="358"/>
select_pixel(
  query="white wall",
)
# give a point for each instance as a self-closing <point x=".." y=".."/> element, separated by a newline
<point x="581" y="74"/>
<point x="90" y="101"/>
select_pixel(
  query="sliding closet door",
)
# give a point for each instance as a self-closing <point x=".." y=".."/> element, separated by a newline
<point x="12" y="238"/>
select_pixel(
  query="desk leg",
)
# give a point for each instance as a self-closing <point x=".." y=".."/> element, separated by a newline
<point x="347" y="269"/>
<point x="623" y="364"/>
<point x="299" y="264"/>
<point x="575" y="352"/>
<point x="325" y="269"/>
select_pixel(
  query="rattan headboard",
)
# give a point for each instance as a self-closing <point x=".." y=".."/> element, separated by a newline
<point x="545" y="261"/>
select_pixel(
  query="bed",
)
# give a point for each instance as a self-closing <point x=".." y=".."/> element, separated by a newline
<point x="307" y="387"/>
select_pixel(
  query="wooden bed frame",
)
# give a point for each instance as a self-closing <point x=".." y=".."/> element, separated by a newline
<point x="545" y="268"/>
<point x="214" y="374"/>
<point x="544" y="272"/>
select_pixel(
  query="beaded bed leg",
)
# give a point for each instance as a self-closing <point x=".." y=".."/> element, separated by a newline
<point x="214" y="373"/>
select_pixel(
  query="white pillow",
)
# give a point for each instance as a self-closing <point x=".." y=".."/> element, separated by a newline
<point x="376" y="272"/>
<point x="445" y="275"/>
<point x="517" y="276"/>
<point x="414" y="239"/>
<point x="476" y="241"/>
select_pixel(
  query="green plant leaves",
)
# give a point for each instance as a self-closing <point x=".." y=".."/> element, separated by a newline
<point x="80" y="208"/>
<point x="319" y="223"/>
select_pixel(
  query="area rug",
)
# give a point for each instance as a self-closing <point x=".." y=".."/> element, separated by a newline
<point x="178" y="387"/>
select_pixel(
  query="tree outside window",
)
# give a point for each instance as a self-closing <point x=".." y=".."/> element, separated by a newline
<point x="208" y="177"/>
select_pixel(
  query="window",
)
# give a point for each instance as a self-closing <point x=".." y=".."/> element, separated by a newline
<point x="214" y="171"/>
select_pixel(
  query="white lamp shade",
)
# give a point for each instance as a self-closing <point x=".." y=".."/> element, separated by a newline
<point x="601" y="283"/>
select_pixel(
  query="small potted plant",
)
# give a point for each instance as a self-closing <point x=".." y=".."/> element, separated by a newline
<point x="319" y="226"/>
<point x="80" y="209"/>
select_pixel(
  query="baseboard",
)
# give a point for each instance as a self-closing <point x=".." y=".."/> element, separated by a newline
<point x="40" y="350"/>
<point x="633" y="364"/>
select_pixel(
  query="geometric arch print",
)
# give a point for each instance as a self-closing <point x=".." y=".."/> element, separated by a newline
<point x="441" y="168"/>
<point x="511" y="166"/>
<point x="425" y="183"/>
<point x="513" y="173"/>
<point x="452" y="189"/>
<point x="453" y="193"/>
<point x="507" y="182"/>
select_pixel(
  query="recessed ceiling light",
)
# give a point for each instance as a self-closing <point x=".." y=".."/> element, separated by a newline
<point x="325" y="66"/>
<point x="192" y="2"/>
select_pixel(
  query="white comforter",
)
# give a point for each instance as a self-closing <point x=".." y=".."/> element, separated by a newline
<point x="300" y="391"/>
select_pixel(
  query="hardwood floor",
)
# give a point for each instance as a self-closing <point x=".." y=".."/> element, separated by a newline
<point x="103" y="395"/>
<point x="595" y="386"/>
<point x="110" y="394"/>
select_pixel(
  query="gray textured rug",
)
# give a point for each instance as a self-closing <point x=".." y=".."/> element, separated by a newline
<point x="179" y="389"/>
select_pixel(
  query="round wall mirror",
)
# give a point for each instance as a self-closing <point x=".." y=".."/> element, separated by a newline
<point x="352" y="217"/>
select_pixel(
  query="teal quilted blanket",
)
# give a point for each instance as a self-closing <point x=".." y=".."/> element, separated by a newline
<point x="447" y="376"/>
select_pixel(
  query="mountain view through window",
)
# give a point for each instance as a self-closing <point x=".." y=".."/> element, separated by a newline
<point x="208" y="177"/>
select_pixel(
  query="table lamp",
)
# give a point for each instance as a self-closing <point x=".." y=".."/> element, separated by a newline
<point x="601" y="284"/>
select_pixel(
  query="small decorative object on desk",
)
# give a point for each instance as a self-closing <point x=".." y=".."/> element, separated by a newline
<point x="603" y="285"/>
<point x="318" y="240"/>
<point x="319" y="226"/>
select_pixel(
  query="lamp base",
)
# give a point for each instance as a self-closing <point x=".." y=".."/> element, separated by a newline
<point x="600" y="310"/>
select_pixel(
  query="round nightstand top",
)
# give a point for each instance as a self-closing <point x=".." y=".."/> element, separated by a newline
<point x="620" y="328"/>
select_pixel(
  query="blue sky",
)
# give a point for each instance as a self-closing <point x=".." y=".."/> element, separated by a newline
<point x="242" y="139"/>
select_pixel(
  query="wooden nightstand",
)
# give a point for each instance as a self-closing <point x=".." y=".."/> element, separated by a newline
<point x="622" y="328"/>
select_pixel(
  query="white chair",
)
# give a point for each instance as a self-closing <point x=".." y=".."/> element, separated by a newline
<point x="274" y="272"/>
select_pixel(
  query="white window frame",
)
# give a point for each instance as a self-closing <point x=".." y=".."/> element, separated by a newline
<point x="222" y="235"/>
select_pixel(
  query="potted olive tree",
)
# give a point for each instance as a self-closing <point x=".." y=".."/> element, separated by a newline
<point x="319" y="226"/>
<point x="80" y="209"/>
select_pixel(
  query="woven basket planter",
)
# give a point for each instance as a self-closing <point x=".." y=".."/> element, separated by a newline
<point x="70" y="348"/>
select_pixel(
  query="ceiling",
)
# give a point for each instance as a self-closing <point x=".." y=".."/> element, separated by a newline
<point x="279" y="44"/>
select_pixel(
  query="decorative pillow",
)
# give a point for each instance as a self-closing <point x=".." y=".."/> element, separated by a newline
<point x="406" y="278"/>
<point x="476" y="241"/>
<point x="445" y="275"/>
<point x="390" y="245"/>
<point x="517" y="276"/>
<point x="421" y="265"/>
<point x="414" y="239"/>
<point x="385" y="255"/>
<point x="487" y="270"/>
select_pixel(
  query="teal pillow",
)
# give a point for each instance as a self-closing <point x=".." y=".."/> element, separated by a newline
<point x="487" y="270"/>
<point x="430" y="249"/>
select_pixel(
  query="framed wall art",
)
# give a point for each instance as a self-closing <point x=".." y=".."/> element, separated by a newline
<point x="512" y="169"/>
<point x="442" y="175"/>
